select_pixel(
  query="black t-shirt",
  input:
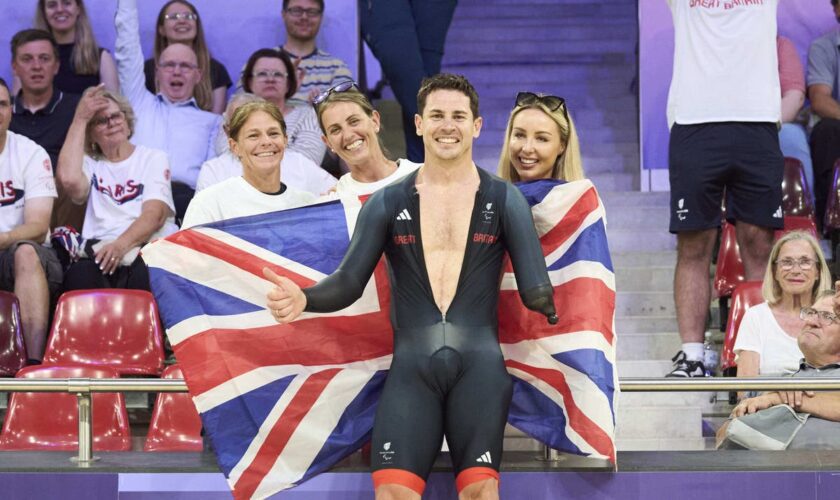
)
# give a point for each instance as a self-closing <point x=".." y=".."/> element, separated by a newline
<point x="48" y="126"/>
<point x="67" y="80"/>
<point x="219" y="76"/>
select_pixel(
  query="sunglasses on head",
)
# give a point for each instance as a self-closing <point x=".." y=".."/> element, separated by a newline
<point x="335" y="89"/>
<point x="552" y="102"/>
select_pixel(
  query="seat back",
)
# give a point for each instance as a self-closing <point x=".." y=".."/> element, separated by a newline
<point x="50" y="421"/>
<point x="796" y="194"/>
<point x="175" y="424"/>
<point x="746" y="295"/>
<point x="730" y="269"/>
<point x="113" y="327"/>
<point x="12" y="348"/>
<point x="832" y="204"/>
<point x="797" y="223"/>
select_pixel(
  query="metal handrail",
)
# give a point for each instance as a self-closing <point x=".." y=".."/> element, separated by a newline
<point x="83" y="387"/>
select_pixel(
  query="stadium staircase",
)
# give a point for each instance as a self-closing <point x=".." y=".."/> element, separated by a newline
<point x="586" y="52"/>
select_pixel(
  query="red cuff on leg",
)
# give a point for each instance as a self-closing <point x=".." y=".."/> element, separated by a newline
<point x="474" y="475"/>
<point x="401" y="477"/>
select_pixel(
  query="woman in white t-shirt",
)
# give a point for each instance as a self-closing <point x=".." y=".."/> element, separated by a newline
<point x="257" y="135"/>
<point x="351" y="130"/>
<point x="127" y="189"/>
<point x="766" y="343"/>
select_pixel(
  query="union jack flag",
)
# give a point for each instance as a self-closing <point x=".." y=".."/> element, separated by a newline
<point x="281" y="403"/>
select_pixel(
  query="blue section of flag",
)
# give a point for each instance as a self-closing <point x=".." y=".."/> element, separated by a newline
<point x="171" y="289"/>
<point x="593" y="364"/>
<point x="536" y="191"/>
<point x="590" y="245"/>
<point x="534" y="413"/>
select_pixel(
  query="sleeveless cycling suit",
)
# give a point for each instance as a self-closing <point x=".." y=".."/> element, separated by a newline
<point x="448" y="374"/>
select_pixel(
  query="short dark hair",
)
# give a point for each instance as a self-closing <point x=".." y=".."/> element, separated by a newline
<point x="5" y="86"/>
<point x="447" y="81"/>
<point x="291" y="74"/>
<point x="32" y="35"/>
<point x="319" y="2"/>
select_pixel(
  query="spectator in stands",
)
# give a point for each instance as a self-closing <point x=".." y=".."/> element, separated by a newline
<point x="541" y="141"/>
<point x="171" y="120"/>
<point x="179" y="22"/>
<point x="793" y="140"/>
<point x="270" y="74"/>
<point x="820" y="345"/>
<point x="824" y="93"/>
<point x="407" y="37"/>
<point x="127" y="188"/>
<point x="766" y="341"/>
<point x="83" y="63"/>
<point x="42" y="112"/>
<point x="299" y="172"/>
<point x="317" y="69"/>
<point x="258" y="138"/>
<point x="722" y="137"/>
<point x="351" y="127"/>
<point x="28" y="190"/>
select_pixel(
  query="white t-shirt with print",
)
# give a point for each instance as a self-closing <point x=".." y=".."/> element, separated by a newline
<point x="296" y="171"/>
<point x="347" y="185"/>
<point x="235" y="197"/>
<point x="25" y="173"/>
<point x="760" y="332"/>
<point x="118" y="190"/>
<point x="725" y="62"/>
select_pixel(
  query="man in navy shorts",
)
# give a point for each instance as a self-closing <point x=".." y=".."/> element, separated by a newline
<point x="723" y="108"/>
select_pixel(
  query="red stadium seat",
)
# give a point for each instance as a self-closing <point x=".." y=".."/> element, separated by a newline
<point x="175" y="424"/>
<point x="797" y="223"/>
<point x="50" y="421"/>
<point x="796" y="194"/>
<point x="730" y="269"/>
<point x="12" y="348"/>
<point x="832" y="204"/>
<point x="112" y="327"/>
<point x="746" y="295"/>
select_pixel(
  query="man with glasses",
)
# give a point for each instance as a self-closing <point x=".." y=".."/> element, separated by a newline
<point x="317" y="70"/>
<point x="27" y="190"/>
<point x="820" y="345"/>
<point x="723" y="137"/>
<point x="41" y="112"/>
<point x="171" y="120"/>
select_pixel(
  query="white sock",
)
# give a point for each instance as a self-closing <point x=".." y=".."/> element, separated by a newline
<point x="693" y="351"/>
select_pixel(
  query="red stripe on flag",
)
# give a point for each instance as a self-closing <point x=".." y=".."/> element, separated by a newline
<point x="234" y="256"/>
<point x="578" y="420"/>
<point x="581" y="304"/>
<point x="276" y="440"/>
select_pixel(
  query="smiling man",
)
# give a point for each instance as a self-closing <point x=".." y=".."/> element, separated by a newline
<point x="171" y="120"/>
<point x="445" y="229"/>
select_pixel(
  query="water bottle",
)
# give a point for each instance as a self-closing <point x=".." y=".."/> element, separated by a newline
<point x="711" y="358"/>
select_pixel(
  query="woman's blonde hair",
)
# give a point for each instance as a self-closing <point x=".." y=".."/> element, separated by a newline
<point x="85" y="56"/>
<point x="203" y="92"/>
<point x="770" y="289"/>
<point x="568" y="166"/>
<point x="242" y="113"/>
<point x="92" y="149"/>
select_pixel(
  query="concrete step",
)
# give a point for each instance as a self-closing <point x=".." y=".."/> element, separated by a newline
<point x="638" y="279"/>
<point x="635" y="259"/>
<point x="591" y="12"/>
<point x="644" y="303"/>
<point x="644" y="368"/>
<point x="646" y="346"/>
<point x="498" y="55"/>
<point x="536" y="29"/>
<point x="629" y="240"/>
<point x="705" y="401"/>
<point x="640" y="217"/>
<point x="659" y="422"/>
<point x="543" y="75"/>
<point x="614" y="181"/>
<point x="634" y="199"/>
<point x="625" y="325"/>
<point x="664" y="444"/>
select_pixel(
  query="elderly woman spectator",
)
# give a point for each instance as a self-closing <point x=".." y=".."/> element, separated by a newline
<point x="178" y="22"/>
<point x="540" y="141"/>
<point x="270" y="74"/>
<point x="299" y="172"/>
<point x="127" y="189"/>
<point x="766" y="342"/>
<point x="257" y="135"/>
<point x="351" y="129"/>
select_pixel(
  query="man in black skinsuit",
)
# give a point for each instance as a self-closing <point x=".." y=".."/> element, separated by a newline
<point x="445" y="230"/>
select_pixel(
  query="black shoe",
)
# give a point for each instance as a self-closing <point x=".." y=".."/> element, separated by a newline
<point x="683" y="368"/>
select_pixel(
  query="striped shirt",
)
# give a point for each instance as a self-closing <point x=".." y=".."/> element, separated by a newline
<point x="322" y="71"/>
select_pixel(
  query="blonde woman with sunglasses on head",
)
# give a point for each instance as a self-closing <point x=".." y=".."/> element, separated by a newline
<point x="540" y="141"/>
